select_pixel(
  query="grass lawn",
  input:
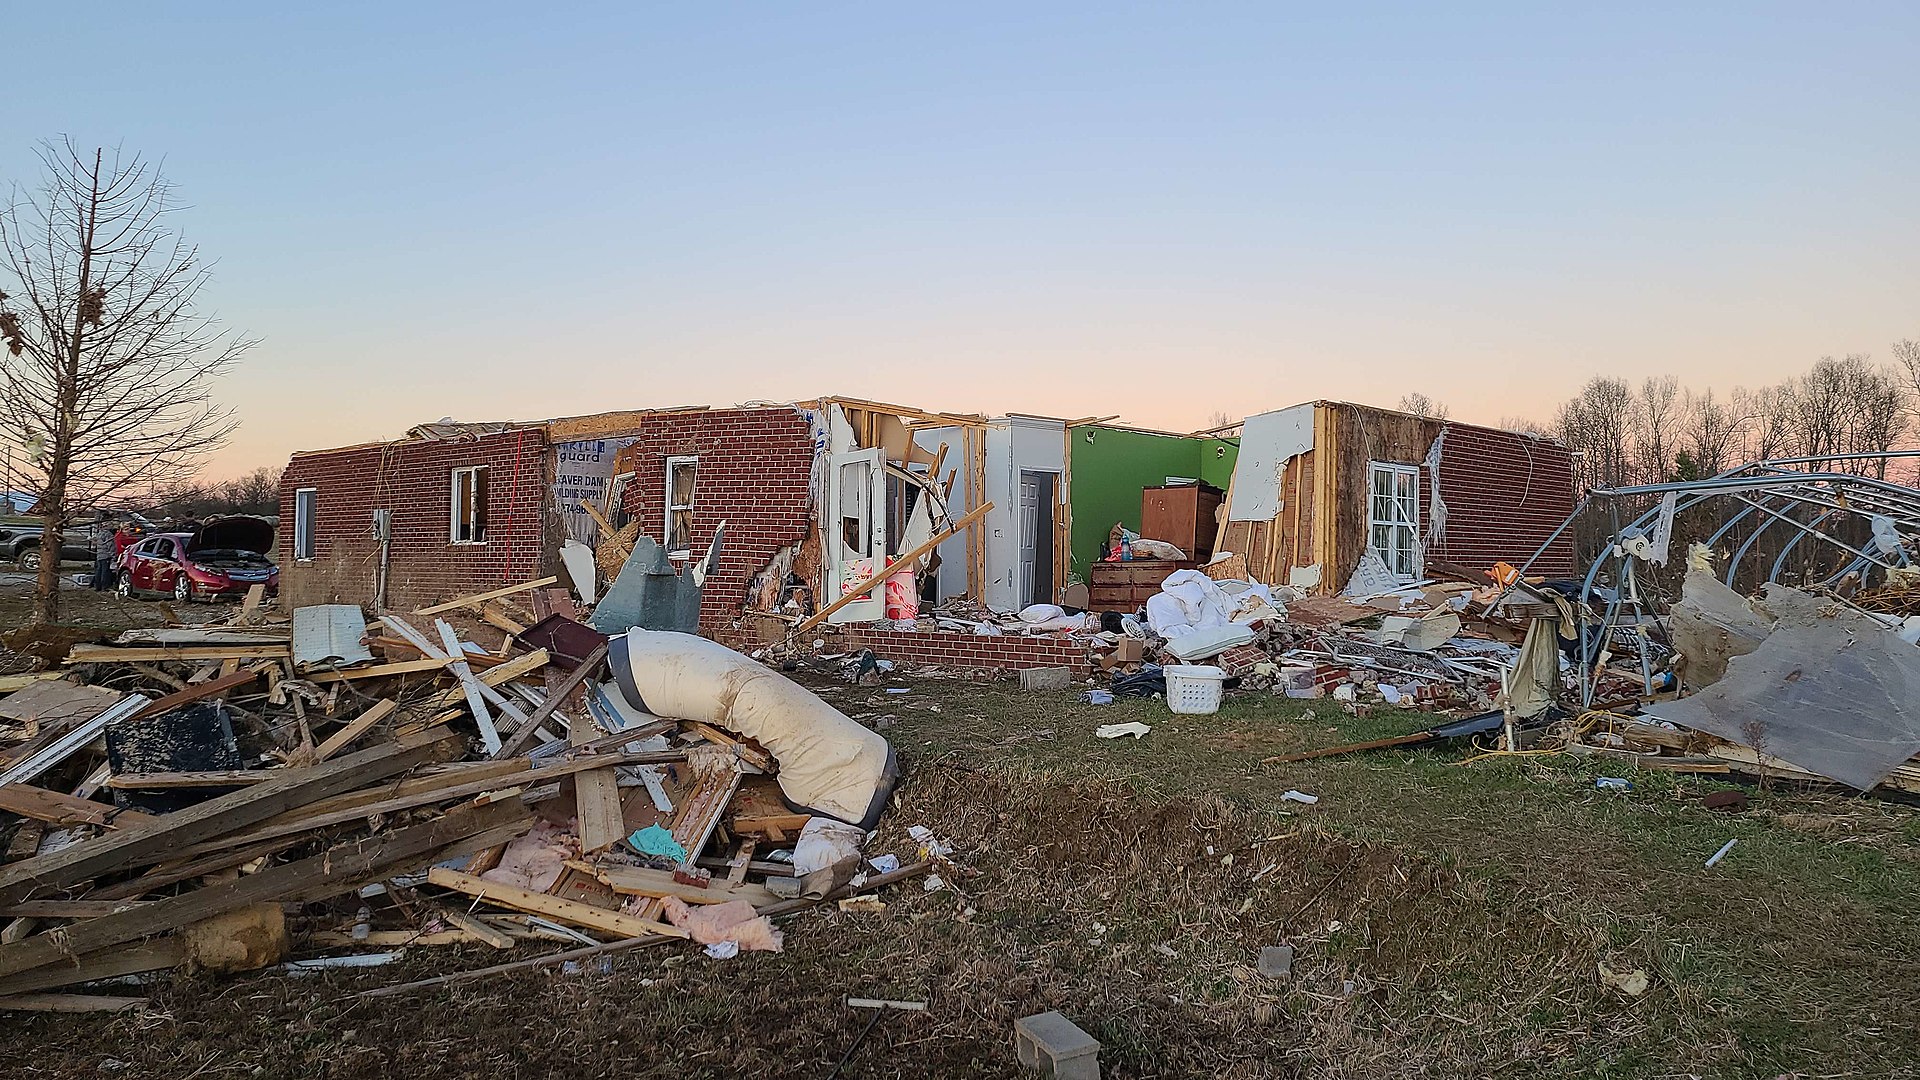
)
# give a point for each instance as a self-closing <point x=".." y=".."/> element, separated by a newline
<point x="1447" y="921"/>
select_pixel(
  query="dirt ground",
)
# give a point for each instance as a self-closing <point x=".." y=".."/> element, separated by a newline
<point x="1448" y="920"/>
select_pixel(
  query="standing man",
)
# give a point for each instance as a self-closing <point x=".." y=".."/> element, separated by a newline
<point x="104" y="550"/>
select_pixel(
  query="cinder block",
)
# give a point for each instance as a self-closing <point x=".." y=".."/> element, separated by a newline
<point x="1051" y="1042"/>
<point x="1276" y="961"/>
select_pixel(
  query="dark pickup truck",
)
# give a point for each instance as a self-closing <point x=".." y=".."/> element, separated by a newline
<point x="20" y="542"/>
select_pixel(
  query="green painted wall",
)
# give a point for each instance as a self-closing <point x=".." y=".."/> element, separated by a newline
<point x="1106" y="476"/>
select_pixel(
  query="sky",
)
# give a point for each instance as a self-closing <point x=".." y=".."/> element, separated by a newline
<point x="1162" y="211"/>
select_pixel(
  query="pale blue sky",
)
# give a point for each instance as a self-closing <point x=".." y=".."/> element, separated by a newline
<point x="1161" y="211"/>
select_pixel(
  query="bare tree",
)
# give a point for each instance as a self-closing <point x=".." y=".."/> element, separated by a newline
<point x="1594" y="425"/>
<point x="1713" y="432"/>
<point x="1653" y="428"/>
<point x="109" y="363"/>
<point x="1422" y="405"/>
<point x="1523" y="426"/>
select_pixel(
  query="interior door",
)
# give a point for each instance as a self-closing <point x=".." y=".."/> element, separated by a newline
<point x="1029" y="533"/>
<point x="856" y="532"/>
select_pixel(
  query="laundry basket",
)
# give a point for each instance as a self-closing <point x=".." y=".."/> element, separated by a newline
<point x="1193" y="688"/>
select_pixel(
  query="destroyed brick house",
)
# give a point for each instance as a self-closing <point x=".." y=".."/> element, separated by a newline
<point x="818" y="496"/>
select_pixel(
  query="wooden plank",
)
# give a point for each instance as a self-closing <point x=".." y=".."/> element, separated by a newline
<point x="113" y="654"/>
<point x="641" y="881"/>
<point x="481" y="598"/>
<point x="250" y="607"/>
<point x="58" y="808"/>
<point x="495" y="676"/>
<point x="596" y="800"/>
<point x="477" y="928"/>
<point x="757" y="758"/>
<point x="67" y="909"/>
<point x="11" y="683"/>
<point x="342" y="868"/>
<point x="495" y="616"/>
<point x="152" y="955"/>
<point x="355" y="728"/>
<point x="558" y="694"/>
<point x="159" y="781"/>
<point x="294" y="824"/>
<point x="399" y="667"/>
<point x="69" y="1003"/>
<point x="553" y="907"/>
<point x="908" y="559"/>
<point x="1350" y="748"/>
<point x="128" y="848"/>
<point x="178" y="870"/>
<point x="476" y="701"/>
<point x="770" y="823"/>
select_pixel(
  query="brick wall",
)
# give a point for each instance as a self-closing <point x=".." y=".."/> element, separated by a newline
<point x="753" y="474"/>
<point x="1505" y="494"/>
<point x="962" y="652"/>
<point x="413" y="479"/>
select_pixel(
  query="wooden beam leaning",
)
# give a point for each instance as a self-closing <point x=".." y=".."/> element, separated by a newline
<point x="126" y="848"/>
<point x="191" y="694"/>
<point x="58" y="808"/>
<point x="481" y="598"/>
<point x="519" y="739"/>
<point x="355" y="728"/>
<point x="907" y="559"/>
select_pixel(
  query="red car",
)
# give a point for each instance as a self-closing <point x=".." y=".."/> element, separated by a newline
<point x="221" y="559"/>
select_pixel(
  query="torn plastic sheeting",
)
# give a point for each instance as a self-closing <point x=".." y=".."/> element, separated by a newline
<point x="1535" y="679"/>
<point x="1713" y="624"/>
<point x="1832" y="693"/>
<point x="828" y="763"/>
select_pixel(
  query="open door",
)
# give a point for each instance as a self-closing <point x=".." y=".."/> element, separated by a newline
<point x="856" y="532"/>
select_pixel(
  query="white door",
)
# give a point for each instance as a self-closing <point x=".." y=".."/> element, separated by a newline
<point x="1029" y="535"/>
<point x="856" y="533"/>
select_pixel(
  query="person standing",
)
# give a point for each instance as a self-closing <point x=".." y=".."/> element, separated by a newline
<point x="105" y="547"/>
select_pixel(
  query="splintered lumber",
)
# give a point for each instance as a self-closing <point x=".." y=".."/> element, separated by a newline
<point x="642" y="881"/>
<point x="130" y="959"/>
<point x="478" y="929"/>
<point x="645" y="941"/>
<point x="11" y="683"/>
<point x="157" y="781"/>
<point x="178" y="870"/>
<point x="399" y="667"/>
<point x="481" y="598"/>
<point x="596" y="796"/>
<point x="476" y="697"/>
<point x="114" y="654"/>
<point x="342" y="868"/>
<point x="68" y="1003"/>
<point x="355" y="728"/>
<point x="495" y="676"/>
<point x="581" y="674"/>
<point x="553" y="907"/>
<point x="305" y="822"/>
<point x="201" y="692"/>
<point x="68" y="909"/>
<point x="863" y="588"/>
<point x="128" y="848"/>
<point x="1352" y="748"/>
<point x="771" y="825"/>
<point x="753" y="756"/>
<point x="57" y="808"/>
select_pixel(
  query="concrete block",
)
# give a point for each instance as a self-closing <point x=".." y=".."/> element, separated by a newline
<point x="1276" y="961"/>
<point x="1051" y="1042"/>
<point x="1046" y="678"/>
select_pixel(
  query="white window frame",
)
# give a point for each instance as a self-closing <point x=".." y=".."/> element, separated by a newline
<point x="669" y="506"/>
<point x="476" y="526"/>
<point x="306" y="530"/>
<point x="1399" y="508"/>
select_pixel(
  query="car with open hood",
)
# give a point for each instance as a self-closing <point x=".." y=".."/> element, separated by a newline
<point x="221" y="559"/>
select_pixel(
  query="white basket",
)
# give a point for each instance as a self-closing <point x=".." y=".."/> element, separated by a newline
<point x="1193" y="688"/>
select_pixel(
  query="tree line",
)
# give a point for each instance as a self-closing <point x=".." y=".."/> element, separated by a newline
<point x="1659" y="432"/>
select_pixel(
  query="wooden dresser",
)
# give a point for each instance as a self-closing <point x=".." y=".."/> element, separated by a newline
<point x="1183" y="515"/>
<point x="1125" y="586"/>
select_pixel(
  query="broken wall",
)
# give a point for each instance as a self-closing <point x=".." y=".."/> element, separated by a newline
<point x="413" y="479"/>
<point x="753" y="473"/>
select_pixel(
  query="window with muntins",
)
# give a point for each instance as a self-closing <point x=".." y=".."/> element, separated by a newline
<point x="1393" y="510"/>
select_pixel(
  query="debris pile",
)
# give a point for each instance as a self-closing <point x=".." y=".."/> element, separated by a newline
<point x="317" y="789"/>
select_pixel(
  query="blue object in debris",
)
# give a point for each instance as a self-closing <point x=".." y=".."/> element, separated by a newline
<point x="1612" y="783"/>
<point x="654" y="840"/>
